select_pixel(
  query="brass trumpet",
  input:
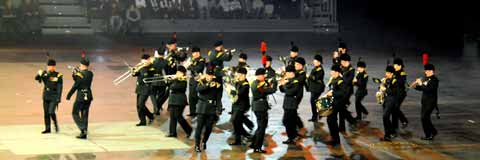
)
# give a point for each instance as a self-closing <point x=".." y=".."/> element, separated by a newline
<point x="380" y="95"/>
<point x="74" y="69"/>
<point x="414" y="83"/>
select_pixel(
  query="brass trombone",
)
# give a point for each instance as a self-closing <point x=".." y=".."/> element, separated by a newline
<point x="130" y="72"/>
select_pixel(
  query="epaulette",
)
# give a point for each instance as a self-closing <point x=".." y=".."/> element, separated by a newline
<point x="152" y="69"/>
<point x="301" y="71"/>
<point x="318" y="69"/>
<point x="201" y="59"/>
<point x="245" y="83"/>
<point x="339" y="82"/>
<point x="394" y="80"/>
<point x="295" y="81"/>
<point x="209" y="52"/>
<point x="78" y="74"/>
<point x="403" y="73"/>
<point x="219" y="54"/>
<point x="59" y="75"/>
<point x="365" y="75"/>
<point x="350" y="68"/>
<point x="259" y="85"/>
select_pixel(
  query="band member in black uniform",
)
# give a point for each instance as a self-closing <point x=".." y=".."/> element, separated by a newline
<point x="429" y="87"/>
<point x="348" y="74"/>
<point x="401" y="76"/>
<point x="143" y="89"/>
<point x="173" y="57"/>
<point x="83" y="82"/>
<point x="260" y="91"/>
<point x="207" y="108"/>
<point x="242" y="63"/>
<point x="316" y="85"/>
<point x="301" y="77"/>
<point x="215" y="60"/>
<point x="270" y="72"/>
<point x="177" y="102"/>
<point x="391" y="90"/>
<point x="52" y="93"/>
<point x="360" y="80"/>
<point x="291" y="87"/>
<point x="341" y="49"/>
<point x="159" y="89"/>
<point x="240" y="105"/>
<point x="196" y="68"/>
<point x="293" y="56"/>
<point x="337" y="91"/>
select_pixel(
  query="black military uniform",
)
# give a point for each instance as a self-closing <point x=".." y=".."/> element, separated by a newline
<point x="207" y="110"/>
<point x="337" y="86"/>
<point x="159" y="92"/>
<point x="290" y="105"/>
<point x="301" y="77"/>
<point x="143" y="90"/>
<point x="316" y="86"/>
<point x="83" y="82"/>
<point x="240" y="107"/>
<point x="260" y="106"/>
<point x="291" y="60"/>
<point x="389" y="105"/>
<point x="215" y="62"/>
<point x="271" y="74"/>
<point x="361" y="83"/>
<point x="240" y="63"/>
<point x="173" y="58"/>
<point x="401" y="76"/>
<point x="52" y="94"/>
<point x="177" y="103"/>
<point x="348" y="74"/>
<point x="197" y="67"/>
<point x="429" y="89"/>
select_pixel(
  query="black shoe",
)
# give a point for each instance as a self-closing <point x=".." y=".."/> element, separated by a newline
<point x="197" y="149"/>
<point x="259" y="151"/>
<point x="386" y="139"/>
<point x="46" y="131"/>
<point x="430" y="138"/>
<point x="150" y="121"/>
<point x="289" y="141"/>
<point x="404" y="124"/>
<point x="251" y="146"/>
<point x="313" y="120"/>
<point x="189" y="134"/>
<point x="82" y="135"/>
<point x="229" y="112"/>
<point x="141" y="124"/>
<point x="204" y="144"/>
<point x="393" y="136"/>
<point x="172" y="135"/>
<point x="236" y="144"/>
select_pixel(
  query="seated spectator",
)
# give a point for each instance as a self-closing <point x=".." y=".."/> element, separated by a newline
<point x="9" y="20"/>
<point x="31" y="19"/>
<point x="269" y="10"/>
<point x="116" y="21"/>
<point x="134" y="18"/>
<point x="258" y="8"/>
<point x="235" y="8"/>
<point x="202" y="6"/>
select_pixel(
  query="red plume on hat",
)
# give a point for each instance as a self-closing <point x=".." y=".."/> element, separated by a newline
<point x="83" y="53"/>
<point x="425" y="58"/>
<point x="263" y="46"/>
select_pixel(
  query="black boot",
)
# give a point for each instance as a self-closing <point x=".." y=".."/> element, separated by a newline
<point x="83" y="135"/>
<point x="197" y="148"/>
<point x="204" y="145"/>
<point x="46" y="131"/>
<point x="258" y="150"/>
<point x="54" y="118"/>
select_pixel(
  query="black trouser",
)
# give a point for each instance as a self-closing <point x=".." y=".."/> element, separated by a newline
<point x="344" y="114"/>
<point x="49" y="107"/>
<point x="176" y="116"/>
<point x="262" y="122"/>
<point x="158" y="97"/>
<point x="237" y="121"/>
<point x="427" y="124"/>
<point x="299" y="122"/>
<point x="333" y="124"/>
<point x="399" y="116"/>
<point x="359" y="107"/>
<point x="204" y="121"/>
<point x="158" y="92"/>
<point x="290" y="126"/>
<point x="80" y="114"/>
<point x="247" y="121"/>
<point x="389" y="108"/>
<point x="192" y="99"/>
<point x="142" y="109"/>
<point x="220" y="95"/>
<point x="313" y="99"/>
